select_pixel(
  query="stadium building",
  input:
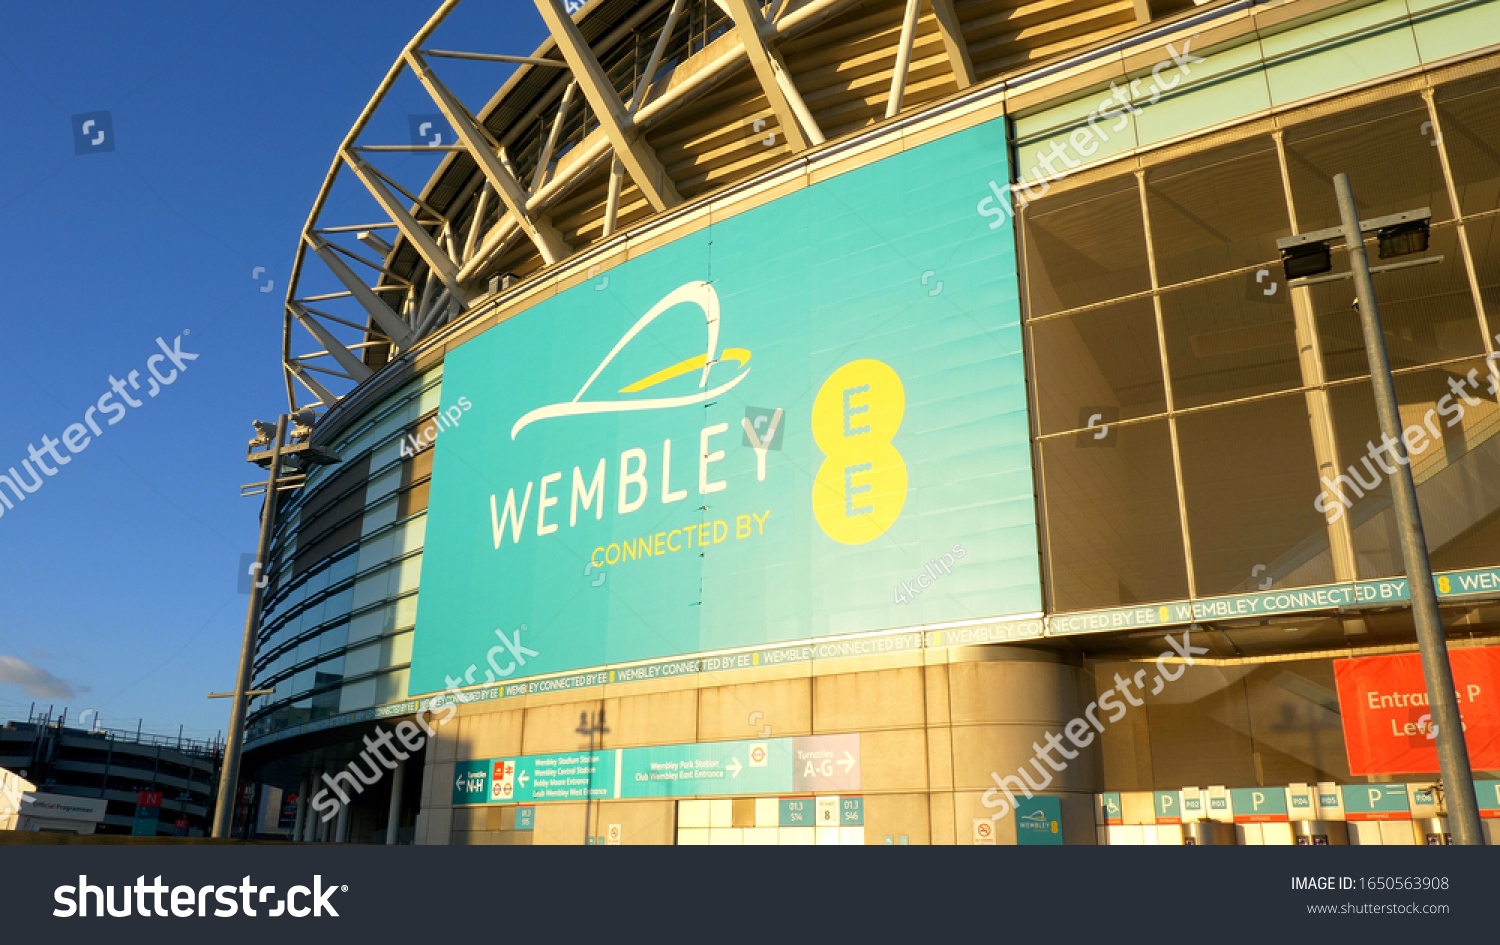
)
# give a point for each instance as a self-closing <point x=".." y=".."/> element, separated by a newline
<point x="888" y="422"/>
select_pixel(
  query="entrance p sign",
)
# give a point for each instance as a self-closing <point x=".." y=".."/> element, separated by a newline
<point x="1262" y="805"/>
<point x="1168" y="807"/>
<point x="1388" y="722"/>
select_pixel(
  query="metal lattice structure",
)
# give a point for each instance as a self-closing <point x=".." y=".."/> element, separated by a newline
<point x="627" y="111"/>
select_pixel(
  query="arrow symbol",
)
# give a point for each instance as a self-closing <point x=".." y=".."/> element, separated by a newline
<point x="848" y="761"/>
<point x="523" y="777"/>
<point x="458" y="784"/>
<point x="733" y="767"/>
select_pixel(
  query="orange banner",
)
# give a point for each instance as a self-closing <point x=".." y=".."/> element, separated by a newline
<point x="1388" y="724"/>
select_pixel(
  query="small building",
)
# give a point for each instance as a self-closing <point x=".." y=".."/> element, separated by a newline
<point x="116" y="782"/>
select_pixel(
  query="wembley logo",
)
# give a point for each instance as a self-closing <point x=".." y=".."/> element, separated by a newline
<point x="697" y="293"/>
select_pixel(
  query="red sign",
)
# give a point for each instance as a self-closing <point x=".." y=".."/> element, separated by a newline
<point x="1388" y="724"/>
<point x="148" y="799"/>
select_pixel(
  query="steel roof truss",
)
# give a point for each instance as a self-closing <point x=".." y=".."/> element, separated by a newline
<point x="640" y="161"/>
<point x="548" y="240"/>
<point x="382" y="314"/>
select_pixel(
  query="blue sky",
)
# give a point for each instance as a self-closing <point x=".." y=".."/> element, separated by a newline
<point x="118" y="576"/>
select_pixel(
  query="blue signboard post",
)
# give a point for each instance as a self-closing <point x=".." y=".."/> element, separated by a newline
<point x="147" y="814"/>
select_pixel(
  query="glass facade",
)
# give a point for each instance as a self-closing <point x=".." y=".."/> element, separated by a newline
<point x="1191" y="411"/>
<point x="336" y="625"/>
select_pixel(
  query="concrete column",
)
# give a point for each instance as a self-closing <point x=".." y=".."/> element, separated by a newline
<point x="314" y="819"/>
<point x="315" y="825"/>
<point x="297" y="825"/>
<point x="1004" y="700"/>
<point x="342" y="835"/>
<point x="393" y="817"/>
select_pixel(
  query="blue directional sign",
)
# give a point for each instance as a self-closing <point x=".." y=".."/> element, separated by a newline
<point x="1039" y="822"/>
<point x="471" y="782"/>
<point x="762" y="767"/>
<point x="825" y="764"/>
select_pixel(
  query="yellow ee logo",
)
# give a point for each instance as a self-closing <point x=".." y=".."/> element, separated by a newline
<point x="860" y="489"/>
<point x="1444" y="586"/>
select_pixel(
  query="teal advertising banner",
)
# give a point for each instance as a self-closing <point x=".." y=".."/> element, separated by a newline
<point x="1039" y="822"/>
<point x="1447" y="584"/>
<point x="806" y="420"/>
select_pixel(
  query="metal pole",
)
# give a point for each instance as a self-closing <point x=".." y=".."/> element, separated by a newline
<point x="903" y="58"/>
<point x="1453" y="754"/>
<point x="229" y="776"/>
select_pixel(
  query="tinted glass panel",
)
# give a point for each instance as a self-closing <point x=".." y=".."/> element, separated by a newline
<point x="1391" y="163"/>
<point x="1427" y="312"/>
<point x="1113" y="531"/>
<point x="1217" y="211"/>
<point x="1106" y="357"/>
<point x="1251" y="480"/>
<point x="1086" y="246"/>
<point x="1227" y="339"/>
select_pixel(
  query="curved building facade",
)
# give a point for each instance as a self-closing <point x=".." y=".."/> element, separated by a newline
<point x="888" y="422"/>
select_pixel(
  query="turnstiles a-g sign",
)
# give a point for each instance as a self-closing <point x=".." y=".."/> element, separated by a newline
<point x="1388" y="724"/>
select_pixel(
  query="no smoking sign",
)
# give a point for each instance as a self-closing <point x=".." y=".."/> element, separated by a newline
<point x="984" y="832"/>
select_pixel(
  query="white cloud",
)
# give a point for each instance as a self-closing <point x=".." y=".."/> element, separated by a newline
<point x="35" y="681"/>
